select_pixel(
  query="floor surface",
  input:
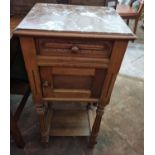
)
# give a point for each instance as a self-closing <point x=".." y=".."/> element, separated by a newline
<point x="121" y="130"/>
<point x="133" y="62"/>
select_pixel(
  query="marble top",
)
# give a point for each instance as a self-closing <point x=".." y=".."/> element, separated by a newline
<point x="74" y="18"/>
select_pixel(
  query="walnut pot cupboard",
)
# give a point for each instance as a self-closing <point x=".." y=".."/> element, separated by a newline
<point x="72" y="53"/>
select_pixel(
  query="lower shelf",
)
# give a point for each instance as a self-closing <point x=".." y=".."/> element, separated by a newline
<point x="71" y="123"/>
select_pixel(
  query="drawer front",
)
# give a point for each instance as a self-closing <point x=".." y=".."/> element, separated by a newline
<point x="67" y="82"/>
<point x="74" y="47"/>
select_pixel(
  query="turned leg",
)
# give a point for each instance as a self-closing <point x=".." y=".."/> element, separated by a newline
<point x="96" y="126"/>
<point x="43" y="124"/>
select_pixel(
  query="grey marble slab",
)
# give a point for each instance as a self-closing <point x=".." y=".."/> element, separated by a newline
<point x="73" y="18"/>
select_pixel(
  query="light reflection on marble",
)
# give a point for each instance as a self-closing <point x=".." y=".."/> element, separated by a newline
<point x="72" y="18"/>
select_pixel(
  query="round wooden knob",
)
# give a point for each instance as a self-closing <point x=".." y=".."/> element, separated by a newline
<point x="75" y="49"/>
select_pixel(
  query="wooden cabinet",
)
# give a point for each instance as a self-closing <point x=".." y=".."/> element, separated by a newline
<point x="72" y="53"/>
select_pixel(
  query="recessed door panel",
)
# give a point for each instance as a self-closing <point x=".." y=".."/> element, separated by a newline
<point x="71" y="82"/>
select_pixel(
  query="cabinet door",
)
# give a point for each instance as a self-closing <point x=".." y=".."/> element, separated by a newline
<point x="71" y="82"/>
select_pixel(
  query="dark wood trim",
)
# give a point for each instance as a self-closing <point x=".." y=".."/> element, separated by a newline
<point x="71" y="99"/>
<point x="73" y="34"/>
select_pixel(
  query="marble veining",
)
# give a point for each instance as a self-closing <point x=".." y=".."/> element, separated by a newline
<point x="74" y="18"/>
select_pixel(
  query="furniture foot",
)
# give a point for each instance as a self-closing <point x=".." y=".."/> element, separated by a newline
<point x="92" y="142"/>
<point x="45" y="138"/>
<point x="45" y="141"/>
<point x="96" y="126"/>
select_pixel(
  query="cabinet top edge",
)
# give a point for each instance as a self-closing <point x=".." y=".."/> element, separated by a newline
<point x="41" y="33"/>
<point x="74" y="18"/>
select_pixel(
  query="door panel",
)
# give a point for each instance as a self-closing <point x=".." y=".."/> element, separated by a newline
<point x="71" y="82"/>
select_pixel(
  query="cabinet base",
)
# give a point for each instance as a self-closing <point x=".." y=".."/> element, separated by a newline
<point x="70" y="123"/>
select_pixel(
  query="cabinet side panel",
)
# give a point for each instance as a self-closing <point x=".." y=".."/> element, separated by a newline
<point x="118" y="52"/>
<point x="29" y="54"/>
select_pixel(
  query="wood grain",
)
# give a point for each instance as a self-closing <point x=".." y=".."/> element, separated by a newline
<point x="73" y="71"/>
<point x="65" y="46"/>
<point x="70" y="123"/>
<point x="72" y="67"/>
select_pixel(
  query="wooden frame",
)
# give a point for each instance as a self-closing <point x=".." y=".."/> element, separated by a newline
<point x="127" y="12"/>
<point x="33" y="73"/>
<point x="49" y="74"/>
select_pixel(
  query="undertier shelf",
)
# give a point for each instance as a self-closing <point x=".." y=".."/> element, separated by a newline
<point x="71" y="122"/>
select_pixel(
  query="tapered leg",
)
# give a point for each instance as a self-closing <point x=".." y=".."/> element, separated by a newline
<point x="96" y="126"/>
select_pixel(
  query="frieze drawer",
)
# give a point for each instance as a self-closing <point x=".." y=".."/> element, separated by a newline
<point x="74" y="47"/>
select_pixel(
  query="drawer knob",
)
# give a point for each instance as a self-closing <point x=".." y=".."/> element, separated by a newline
<point x="45" y="84"/>
<point x="75" y="49"/>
